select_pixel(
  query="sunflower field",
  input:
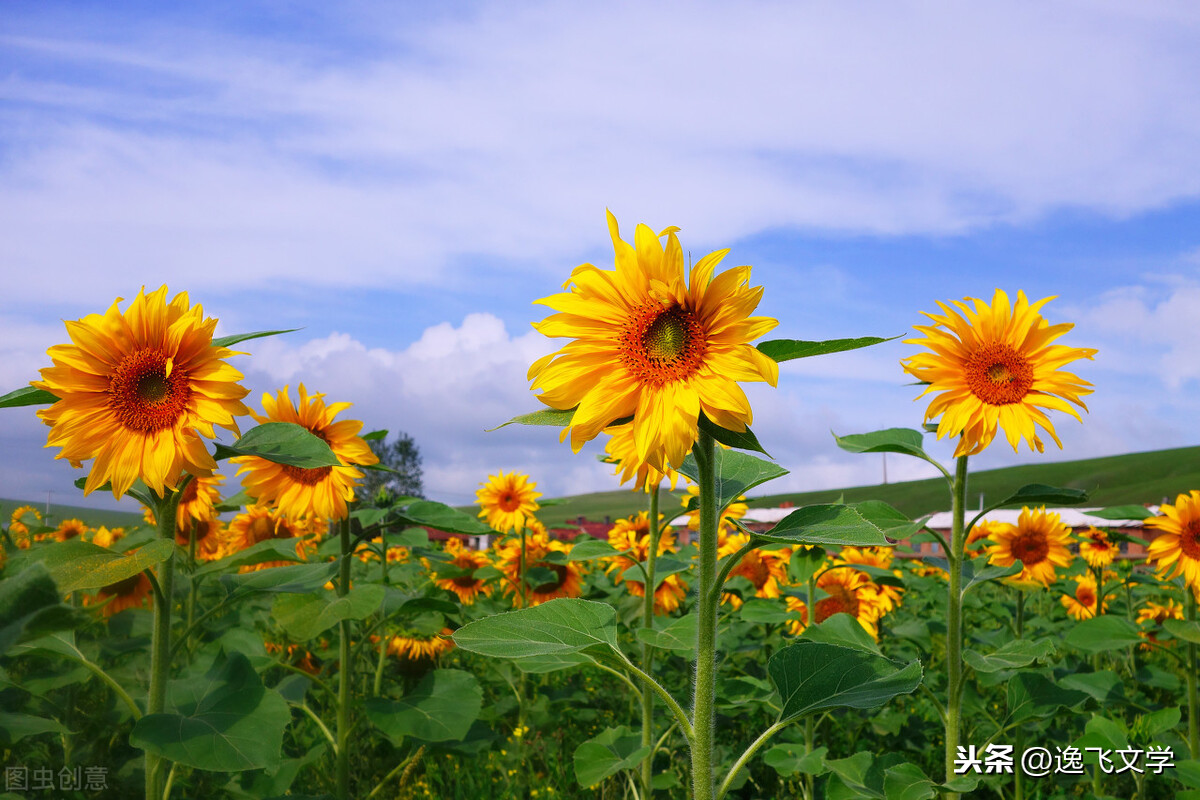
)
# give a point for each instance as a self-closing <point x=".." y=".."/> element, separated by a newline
<point x="269" y="635"/>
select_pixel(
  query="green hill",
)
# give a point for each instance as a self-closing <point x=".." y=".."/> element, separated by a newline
<point x="93" y="517"/>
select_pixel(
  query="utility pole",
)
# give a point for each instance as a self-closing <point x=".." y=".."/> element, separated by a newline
<point x="884" y="468"/>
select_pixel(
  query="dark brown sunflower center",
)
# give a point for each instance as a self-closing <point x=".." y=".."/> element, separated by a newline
<point x="754" y="569"/>
<point x="190" y="492"/>
<point x="123" y="588"/>
<point x="509" y="502"/>
<point x="1085" y="596"/>
<point x="998" y="375"/>
<point x="264" y="528"/>
<point x="840" y="601"/>
<point x="146" y="393"/>
<point x="662" y="345"/>
<point x="313" y="475"/>
<point x="1189" y="539"/>
<point x="1031" y="548"/>
<point x="551" y="586"/>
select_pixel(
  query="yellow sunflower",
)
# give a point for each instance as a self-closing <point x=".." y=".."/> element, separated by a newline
<point x="1039" y="540"/>
<point x="507" y="501"/>
<point x="880" y="557"/>
<point x="295" y="655"/>
<point x="797" y="606"/>
<point x="106" y="537"/>
<point x="980" y="533"/>
<point x="71" y="529"/>
<point x="319" y="491"/>
<point x="649" y="345"/>
<point x="260" y="523"/>
<point x="208" y="537"/>
<point x="995" y="367"/>
<point x="134" y="389"/>
<point x="735" y="510"/>
<point x="1176" y="549"/>
<point x="766" y="569"/>
<point x="466" y="586"/>
<point x="27" y="515"/>
<point x="415" y="647"/>
<point x="133" y="592"/>
<point x="631" y="535"/>
<point x="1096" y="549"/>
<point x="849" y="591"/>
<point x="1082" y="604"/>
<point x="538" y="545"/>
<point x="1155" y="615"/>
<point x="622" y="450"/>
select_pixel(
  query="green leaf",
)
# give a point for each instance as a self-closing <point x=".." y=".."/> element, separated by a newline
<point x="27" y="396"/>
<point x="441" y="709"/>
<point x="1010" y="655"/>
<point x="554" y="628"/>
<point x="788" y="349"/>
<point x="299" y="578"/>
<point x="227" y="722"/>
<point x="374" y="435"/>
<point x="262" y="552"/>
<point x="768" y="612"/>
<point x="593" y="548"/>
<point x="1041" y="494"/>
<point x="971" y="578"/>
<point x="613" y="750"/>
<point x="814" y="676"/>
<point x="304" y="616"/>
<point x="894" y="523"/>
<point x="664" y="567"/>
<point x="1182" y="629"/>
<point x="30" y="605"/>
<point x="15" y="727"/>
<point x="547" y="416"/>
<point x="1098" y="634"/>
<point x="442" y="517"/>
<point x="743" y="440"/>
<point x="843" y="630"/>
<point x="788" y="759"/>
<point x="1120" y="512"/>
<point x="1033" y="696"/>
<point x="827" y="524"/>
<point x="737" y="473"/>
<point x="284" y="443"/>
<point x="907" y="782"/>
<point x="679" y="634"/>
<point x="78" y="565"/>
<point x="230" y="341"/>
<point x="891" y="440"/>
<point x="1105" y="686"/>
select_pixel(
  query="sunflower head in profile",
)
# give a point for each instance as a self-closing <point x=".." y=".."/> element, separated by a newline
<point x="71" y="529"/>
<point x="1082" y="604"/>
<point x="133" y="592"/>
<point x="1151" y="618"/>
<point x="565" y="580"/>
<point x="993" y="366"/>
<point x="1039" y="540"/>
<point x="653" y="344"/>
<point x="262" y="523"/>
<point x="466" y="561"/>
<point x="1096" y="548"/>
<point x="414" y="646"/>
<point x="1176" y="548"/>
<point x="318" y="491"/>
<point x="507" y="501"/>
<point x="135" y="387"/>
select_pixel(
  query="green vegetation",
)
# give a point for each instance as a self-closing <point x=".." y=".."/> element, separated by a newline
<point x="92" y="516"/>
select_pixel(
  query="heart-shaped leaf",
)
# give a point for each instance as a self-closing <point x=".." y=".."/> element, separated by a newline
<point x="814" y="676"/>
<point x="441" y="709"/>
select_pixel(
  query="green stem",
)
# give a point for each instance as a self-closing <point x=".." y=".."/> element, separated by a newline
<point x="954" y="626"/>
<point x="704" y="704"/>
<point x="343" y="708"/>
<point x="160" y="642"/>
<point x="1019" y="774"/>
<point x="672" y="704"/>
<point x="1193" y="704"/>
<point x="192" y="582"/>
<point x="755" y="746"/>
<point x="648" y="587"/>
<point x="320" y="723"/>
<point x="810" y="739"/>
<point x="401" y="767"/>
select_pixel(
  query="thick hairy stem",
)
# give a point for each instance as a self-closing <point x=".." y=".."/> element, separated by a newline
<point x="343" y="708"/>
<point x="647" y="771"/>
<point x="160" y="642"/>
<point x="703" y="707"/>
<point x="954" y="627"/>
<point x="1193" y="704"/>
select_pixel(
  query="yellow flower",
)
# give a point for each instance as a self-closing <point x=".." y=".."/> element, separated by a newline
<point x="134" y="389"/>
<point x="466" y="586"/>
<point x="796" y="605"/>
<point x="1096" y="549"/>
<point x="415" y="647"/>
<point x="22" y="514"/>
<point x="880" y="557"/>
<point x="849" y="591"/>
<point x="983" y="530"/>
<point x="133" y="592"/>
<point x="319" y="491"/>
<point x="508" y="501"/>
<point x="622" y="451"/>
<point x="208" y="537"/>
<point x="104" y="537"/>
<point x="1177" y="548"/>
<point x="1156" y="614"/>
<point x="71" y="529"/>
<point x="1082" y="605"/>
<point x="538" y="545"/>
<point x="260" y="523"/>
<point x="631" y="535"/>
<point x="1039" y="540"/>
<point x="649" y="345"/>
<point x="995" y="366"/>
<point x="766" y="569"/>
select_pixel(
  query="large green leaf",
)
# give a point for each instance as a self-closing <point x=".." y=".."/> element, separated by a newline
<point x="891" y="440"/>
<point x="1032" y="696"/>
<point x="298" y="578"/>
<point x="284" y="443"/>
<point x="554" y="628"/>
<point x="1010" y="655"/>
<point x="1182" y="629"/>
<point x="978" y="572"/>
<point x="814" y="676"/>
<point x="78" y="565"/>
<point x="592" y="548"/>
<point x="441" y="709"/>
<point x="27" y="396"/>
<point x="679" y="634"/>
<point x="15" y="727"/>
<point x="547" y="416"/>
<point x="304" y="616"/>
<point x="737" y="473"/>
<point x="613" y="750"/>
<point x="832" y="524"/>
<point x="766" y="612"/>
<point x="1102" y="633"/>
<point x="843" y="630"/>
<point x="443" y="518"/>
<point x="788" y="759"/>
<point x="225" y="722"/>
<point x="30" y="605"/>
<point x="788" y="349"/>
<point x="1120" y="512"/>
<point x="230" y="341"/>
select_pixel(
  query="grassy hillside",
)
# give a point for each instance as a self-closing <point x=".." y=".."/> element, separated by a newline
<point x="91" y="516"/>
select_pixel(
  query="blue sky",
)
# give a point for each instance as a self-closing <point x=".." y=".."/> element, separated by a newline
<point x="402" y="183"/>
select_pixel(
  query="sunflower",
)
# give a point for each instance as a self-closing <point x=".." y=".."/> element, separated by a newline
<point x="288" y="654"/>
<point x="995" y="366"/>
<point x="18" y="528"/>
<point x="622" y="451"/>
<point x="1156" y="614"/>
<point x="507" y="501"/>
<point x="133" y="390"/>
<point x="199" y="500"/>
<point x="133" y="592"/>
<point x="797" y="606"/>
<point x="466" y="585"/>
<point x="1039" y="540"/>
<point x="735" y="510"/>
<point x="1096" y="549"/>
<point x="1177" y="547"/>
<point x="765" y="569"/>
<point x="538" y="545"/>
<point x="983" y="530"/>
<point x="415" y="647"/>
<point x="319" y="491"/>
<point x="849" y="591"/>
<point x="652" y="346"/>
<point x="105" y="537"/>
<point x="631" y="535"/>
<point x="260" y="523"/>
<point x="880" y="557"/>
<point x="929" y="570"/>
<point x="71" y="529"/>
<point x="27" y="515"/>
<point x="1082" y="604"/>
<point x="208" y="537"/>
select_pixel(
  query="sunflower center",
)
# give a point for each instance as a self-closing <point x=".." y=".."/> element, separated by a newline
<point x="550" y="586"/>
<point x="998" y="375"/>
<point x="263" y="528"/>
<point x="509" y="502"/>
<point x="662" y="345"/>
<point x="754" y="569"/>
<point x="1085" y="596"/>
<point x="840" y="601"/>
<point x="122" y="588"/>
<point x="313" y="475"/>
<point x="1189" y="539"/>
<point x="1031" y="548"/>
<point x="147" y="393"/>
